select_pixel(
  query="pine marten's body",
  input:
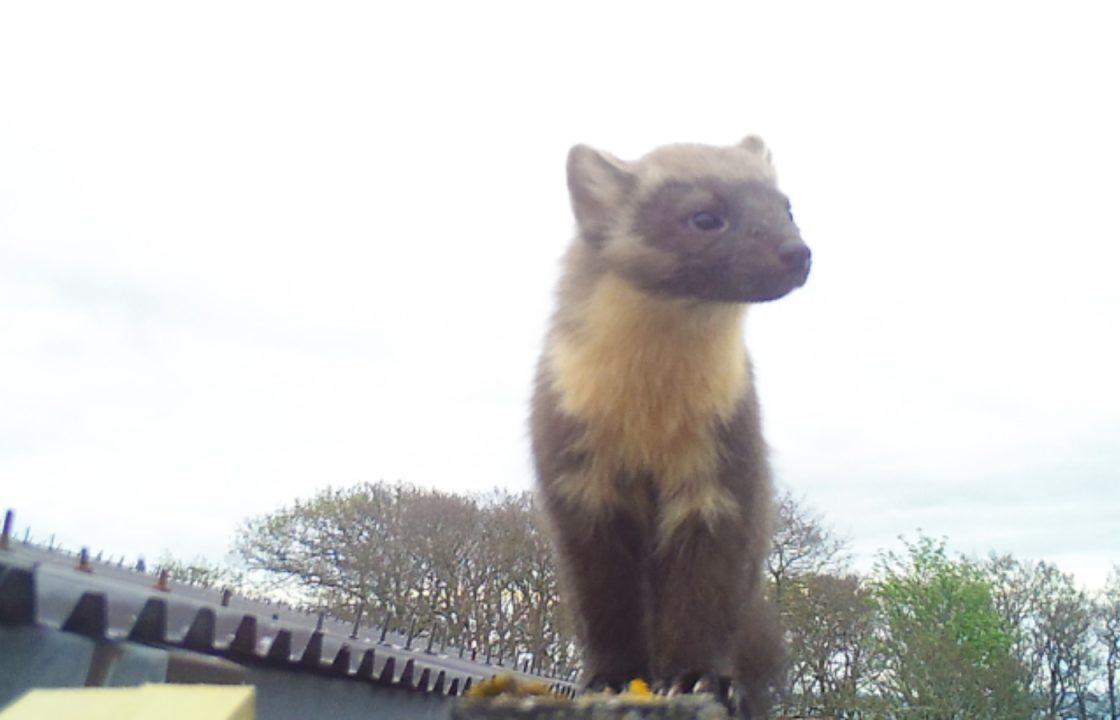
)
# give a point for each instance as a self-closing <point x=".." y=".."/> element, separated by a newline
<point x="645" y="424"/>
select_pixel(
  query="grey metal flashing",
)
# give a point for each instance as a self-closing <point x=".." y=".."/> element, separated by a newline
<point x="106" y="602"/>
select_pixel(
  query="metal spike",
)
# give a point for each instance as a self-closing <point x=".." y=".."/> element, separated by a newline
<point x="385" y="627"/>
<point x="357" y="621"/>
<point x="386" y="676"/>
<point x="341" y="664"/>
<point x="312" y="654"/>
<point x="440" y="680"/>
<point x="17" y="596"/>
<point x="425" y="680"/>
<point x="89" y="617"/>
<point x="6" y="534"/>
<point x="151" y="623"/>
<point x="245" y="639"/>
<point x="411" y="633"/>
<point x="406" y="674"/>
<point x="280" y="651"/>
<point x="200" y="635"/>
<point x="365" y="668"/>
<point x="453" y="689"/>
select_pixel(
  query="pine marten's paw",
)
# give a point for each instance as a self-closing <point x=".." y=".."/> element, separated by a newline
<point x="722" y="688"/>
<point x="607" y="683"/>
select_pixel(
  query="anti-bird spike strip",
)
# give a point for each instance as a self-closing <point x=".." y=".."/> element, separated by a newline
<point x="41" y="588"/>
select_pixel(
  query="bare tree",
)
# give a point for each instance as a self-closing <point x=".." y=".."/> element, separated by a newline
<point x="1108" y="633"/>
<point x="203" y="573"/>
<point x="802" y="545"/>
<point x="477" y="569"/>
<point x="440" y="533"/>
<point x="340" y="548"/>
<point x="830" y="621"/>
<point x="1063" y="647"/>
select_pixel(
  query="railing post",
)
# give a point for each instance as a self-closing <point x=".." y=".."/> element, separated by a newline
<point x="358" y="620"/>
<point x="6" y="535"/>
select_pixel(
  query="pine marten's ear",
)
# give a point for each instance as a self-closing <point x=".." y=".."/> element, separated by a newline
<point x="599" y="184"/>
<point x="755" y="145"/>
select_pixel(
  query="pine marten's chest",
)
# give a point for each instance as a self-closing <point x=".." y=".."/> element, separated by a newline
<point x="649" y="379"/>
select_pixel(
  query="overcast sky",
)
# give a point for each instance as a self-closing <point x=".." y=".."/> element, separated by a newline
<point x="250" y="249"/>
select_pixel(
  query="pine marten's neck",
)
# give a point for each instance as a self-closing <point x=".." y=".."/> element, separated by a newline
<point x="654" y="369"/>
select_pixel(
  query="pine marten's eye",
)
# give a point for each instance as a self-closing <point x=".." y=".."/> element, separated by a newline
<point x="706" y="221"/>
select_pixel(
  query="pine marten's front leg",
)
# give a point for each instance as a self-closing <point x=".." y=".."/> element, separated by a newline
<point x="711" y="623"/>
<point x="602" y="549"/>
<point x="604" y="560"/>
<point x="702" y="585"/>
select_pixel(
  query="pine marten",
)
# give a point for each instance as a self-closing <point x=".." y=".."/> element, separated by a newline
<point x="645" y="424"/>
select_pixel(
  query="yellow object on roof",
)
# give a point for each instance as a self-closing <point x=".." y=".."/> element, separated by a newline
<point x="147" y="702"/>
<point x="505" y="684"/>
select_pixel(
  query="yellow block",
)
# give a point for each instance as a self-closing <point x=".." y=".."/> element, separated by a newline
<point x="147" y="702"/>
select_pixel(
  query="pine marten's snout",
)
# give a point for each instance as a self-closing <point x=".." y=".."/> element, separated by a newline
<point x="795" y="255"/>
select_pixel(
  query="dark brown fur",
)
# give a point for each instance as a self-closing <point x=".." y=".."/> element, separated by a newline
<point x="668" y="601"/>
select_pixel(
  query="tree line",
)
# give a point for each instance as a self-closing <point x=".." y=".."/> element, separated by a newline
<point x="925" y="635"/>
<point x="477" y="570"/>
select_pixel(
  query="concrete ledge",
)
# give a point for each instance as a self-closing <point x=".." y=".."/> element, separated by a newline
<point x="593" y="707"/>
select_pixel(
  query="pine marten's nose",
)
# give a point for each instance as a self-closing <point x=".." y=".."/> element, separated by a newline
<point x="794" y="254"/>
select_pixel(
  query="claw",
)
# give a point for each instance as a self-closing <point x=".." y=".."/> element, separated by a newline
<point x="736" y="702"/>
<point x="606" y="683"/>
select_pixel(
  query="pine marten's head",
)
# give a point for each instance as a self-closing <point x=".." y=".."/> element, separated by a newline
<point x="690" y="221"/>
